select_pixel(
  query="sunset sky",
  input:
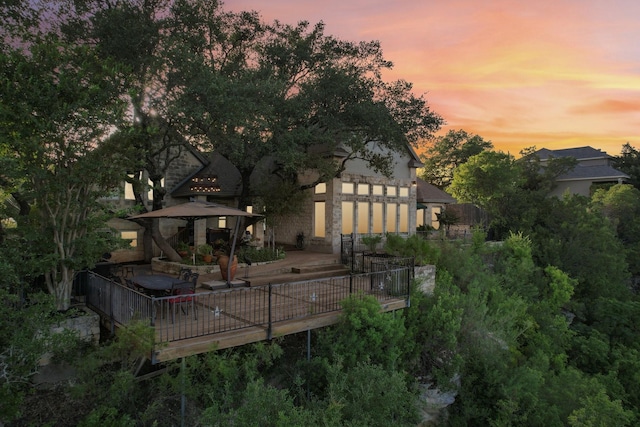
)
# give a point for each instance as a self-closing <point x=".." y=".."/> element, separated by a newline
<point x="544" y="73"/>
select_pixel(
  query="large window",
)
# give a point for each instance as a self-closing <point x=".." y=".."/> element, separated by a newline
<point x="404" y="191"/>
<point x="377" y="190"/>
<point x="319" y="219"/>
<point x="404" y="218"/>
<point x="377" y="217"/>
<point x="321" y="188"/>
<point x="392" y="213"/>
<point x="347" y="217"/>
<point x="363" y="217"/>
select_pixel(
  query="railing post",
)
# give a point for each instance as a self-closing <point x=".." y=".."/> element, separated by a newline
<point x="351" y="283"/>
<point x="153" y="311"/>
<point x="113" y="324"/>
<point x="269" y="324"/>
<point x="410" y="274"/>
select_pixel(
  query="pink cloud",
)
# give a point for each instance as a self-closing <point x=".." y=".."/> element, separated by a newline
<point x="519" y="74"/>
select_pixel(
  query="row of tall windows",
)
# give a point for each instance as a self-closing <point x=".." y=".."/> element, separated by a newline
<point x="364" y="216"/>
<point x="375" y="217"/>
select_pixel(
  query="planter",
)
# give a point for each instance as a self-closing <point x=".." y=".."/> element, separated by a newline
<point x="223" y="262"/>
<point x="207" y="258"/>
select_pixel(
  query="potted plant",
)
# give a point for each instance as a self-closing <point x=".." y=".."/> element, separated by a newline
<point x="222" y="250"/>
<point x="182" y="249"/>
<point x="206" y="252"/>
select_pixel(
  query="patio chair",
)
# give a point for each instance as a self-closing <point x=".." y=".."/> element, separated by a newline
<point x="184" y="274"/>
<point x="183" y="296"/>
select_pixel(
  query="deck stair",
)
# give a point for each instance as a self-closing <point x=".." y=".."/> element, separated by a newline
<point x="291" y="269"/>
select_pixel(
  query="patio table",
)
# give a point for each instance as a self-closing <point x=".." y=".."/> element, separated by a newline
<point x="155" y="283"/>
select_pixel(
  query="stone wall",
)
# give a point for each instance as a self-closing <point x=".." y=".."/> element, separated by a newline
<point x="426" y="277"/>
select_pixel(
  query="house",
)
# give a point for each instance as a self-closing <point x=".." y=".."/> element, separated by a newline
<point x="593" y="168"/>
<point x="431" y="201"/>
<point x="359" y="201"/>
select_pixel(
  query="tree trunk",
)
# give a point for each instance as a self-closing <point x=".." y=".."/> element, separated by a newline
<point x="60" y="287"/>
<point x="164" y="246"/>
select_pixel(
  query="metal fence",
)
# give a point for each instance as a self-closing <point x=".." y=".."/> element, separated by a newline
<point x="179" y="317"/>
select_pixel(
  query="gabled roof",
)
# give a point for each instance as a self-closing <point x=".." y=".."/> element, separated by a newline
<point x="218" y="178"/>
<point x="579" y="153"/>
<point x="429" y="193"/>
<point x="594" y="173"/>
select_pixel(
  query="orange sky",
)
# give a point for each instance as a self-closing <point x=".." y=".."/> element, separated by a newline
<point x="544" y="73"/>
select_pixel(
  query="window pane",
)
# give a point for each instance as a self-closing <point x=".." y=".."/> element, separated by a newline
<point x="391" y="191"/>
<point x="130" y="235"/>
<point x="363" y="217"/>
<point x="391" y="218"/>
<point x="347" y="188"/>
<point x="378" y="190"/>
<point x="404" y="218"/>
<point x="150" y="193"/>
<point x="347" y="217"/>
<point x="319" y="220"/>
<point x="404" y="191"/>
<point x="377" y="217"/>
<point x="128" y="190"/>
<point x="434" y="217"/>
<point x="363" y="189"/>
<point x="321" y="188"/>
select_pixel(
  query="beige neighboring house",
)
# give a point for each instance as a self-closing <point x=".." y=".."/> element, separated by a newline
<point x="594" y="167"/>
<point x="359" y="201"/>
<point x="431" y="201"/>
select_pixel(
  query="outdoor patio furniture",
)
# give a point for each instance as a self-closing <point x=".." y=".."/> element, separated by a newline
<point x="183" y="296"/>
<point x="155" y="284"/>
<point x="184" y="274"/>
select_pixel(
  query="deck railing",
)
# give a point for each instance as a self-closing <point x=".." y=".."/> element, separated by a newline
<point x="213" y="312"/>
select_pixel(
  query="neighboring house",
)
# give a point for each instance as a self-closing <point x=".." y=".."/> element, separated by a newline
<point x="359" y="201"/>
<point x="594" y="167"/>
<point x="431" y="201"/>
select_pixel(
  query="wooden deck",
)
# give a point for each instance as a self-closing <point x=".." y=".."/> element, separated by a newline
<point x="246" y="335"/>
<point x="233" y="317"/>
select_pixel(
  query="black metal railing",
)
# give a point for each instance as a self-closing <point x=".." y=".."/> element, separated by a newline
<point x="182" y="317"/>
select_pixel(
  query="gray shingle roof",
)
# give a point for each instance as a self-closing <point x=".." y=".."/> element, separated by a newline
<point x="429" y="193"/>
<point x="579" y="153"/>
<point x="600" y="172"/>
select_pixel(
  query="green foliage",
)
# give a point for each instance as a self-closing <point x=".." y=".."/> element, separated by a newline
<point x="434" y="324"/>
<point x="261" y="405"/>
<point x="599" y="410"/>
<point x="25" y="337"/>
<point x="205" y="249"/>
<point x="259" y="254"/>
<point x="449" y="152"/>
<point x="423" y="252"/>
<point x="370" y="395"/>
<point x="364" y="333"/>
<point x="621" y="205"/>
<point x="371" y="241"/>
<point x="629" y="162"/>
